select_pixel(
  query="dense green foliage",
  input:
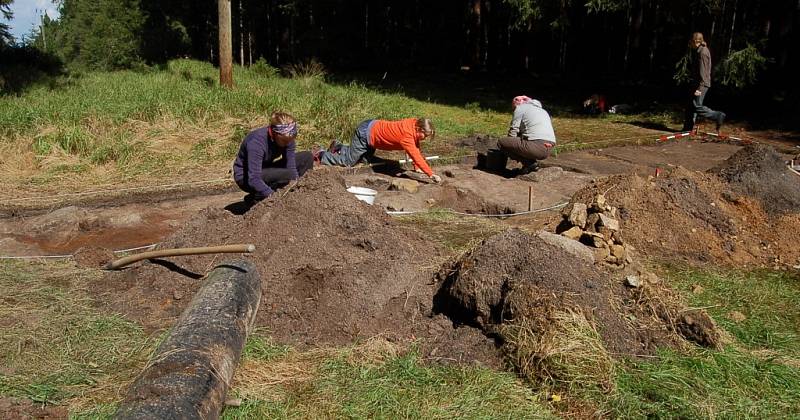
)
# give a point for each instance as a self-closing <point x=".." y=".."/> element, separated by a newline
<point x="5" y="14"/>
<point x="100" y="34"/>
<point x="590" y="38"/>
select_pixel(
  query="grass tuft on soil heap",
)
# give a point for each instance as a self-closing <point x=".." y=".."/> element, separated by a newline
<point x="561" y="321"/>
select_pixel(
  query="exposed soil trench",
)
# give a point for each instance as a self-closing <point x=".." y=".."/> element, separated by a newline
<point x="337" y="270"/>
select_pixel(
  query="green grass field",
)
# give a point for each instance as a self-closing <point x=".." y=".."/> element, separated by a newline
<point x="138" y="128"/>
<point x="58" y="348"/>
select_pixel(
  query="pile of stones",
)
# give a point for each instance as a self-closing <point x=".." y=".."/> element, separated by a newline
<point x="597" y="226"/>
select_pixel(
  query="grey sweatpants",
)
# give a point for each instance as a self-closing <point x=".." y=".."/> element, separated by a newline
<point x="525" y="151"/>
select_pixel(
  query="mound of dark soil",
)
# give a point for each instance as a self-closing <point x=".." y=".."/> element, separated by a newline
<point x="758" y="171"/>
<point x="334" y="270"/>
<point x="516" y="277"/>
<point x="698" y="217"/>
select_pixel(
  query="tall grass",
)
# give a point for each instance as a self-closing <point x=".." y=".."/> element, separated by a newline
<point x="150" y="125"/>
<point x="187" y="90"/>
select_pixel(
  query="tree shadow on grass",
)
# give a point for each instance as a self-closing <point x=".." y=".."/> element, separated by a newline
<point x="652" y="126"/>
<point x="24" y="67"/>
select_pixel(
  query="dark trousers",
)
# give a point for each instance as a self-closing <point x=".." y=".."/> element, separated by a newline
<point x="276" y="176"/>
<point x="524" y="151"/>
<point x="695" y="107"/>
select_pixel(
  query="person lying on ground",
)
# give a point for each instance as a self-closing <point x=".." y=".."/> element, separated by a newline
<point x="267" y="159"/>
<point x="372" y="135"/>
<point x="699" y="85"/>
<point x="595" y="105"/>
<point x="530" y="136"/>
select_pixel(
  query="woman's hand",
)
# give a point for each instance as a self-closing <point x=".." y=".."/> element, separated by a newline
<point x="436" y="178"/>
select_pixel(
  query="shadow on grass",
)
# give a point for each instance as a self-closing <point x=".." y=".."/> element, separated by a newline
<point x="653" y="126"/>
<point x="24" y="67"/>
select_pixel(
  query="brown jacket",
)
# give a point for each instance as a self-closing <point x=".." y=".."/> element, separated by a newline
<point x="702" y="75"/>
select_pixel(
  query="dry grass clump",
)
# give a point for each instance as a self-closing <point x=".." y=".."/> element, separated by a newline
<point x="271" y="374"/>
<point x="565" y="352"/>
<point x="694" y="324"/>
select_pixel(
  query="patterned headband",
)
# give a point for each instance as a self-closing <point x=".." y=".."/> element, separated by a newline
<point x="285" y="129"/>
<point x="519" y="100"/>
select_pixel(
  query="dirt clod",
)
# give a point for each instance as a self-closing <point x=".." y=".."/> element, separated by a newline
<point x="93" y="256"/>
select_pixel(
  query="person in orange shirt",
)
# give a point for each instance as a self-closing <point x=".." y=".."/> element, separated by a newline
<point x="373" y="135"/>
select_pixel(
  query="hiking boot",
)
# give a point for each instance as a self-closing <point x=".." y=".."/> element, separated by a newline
<point x="720" y="120"/>
<point x="530" y="167"/>
<point x="335" y="146"/>
<point x="317" y="153"/>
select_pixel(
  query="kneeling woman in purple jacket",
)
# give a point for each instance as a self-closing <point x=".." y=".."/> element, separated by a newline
<point x="267" y="159"/>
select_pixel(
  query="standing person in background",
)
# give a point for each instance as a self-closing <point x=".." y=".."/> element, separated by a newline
<point x="530" y="136"/>
<point x="372" y="135"/>
<point x="700" y="82"/>
<point x="267" y="159"/>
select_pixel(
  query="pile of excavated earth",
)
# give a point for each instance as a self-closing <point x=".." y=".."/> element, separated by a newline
<point x="745" y="212"/>
<point x="336" y="270"/>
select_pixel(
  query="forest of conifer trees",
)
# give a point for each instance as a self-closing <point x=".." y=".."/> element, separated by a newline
<point x="592" y="38"/>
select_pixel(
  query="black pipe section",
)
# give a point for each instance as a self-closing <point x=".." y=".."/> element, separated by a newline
<point x="190" y="372"/>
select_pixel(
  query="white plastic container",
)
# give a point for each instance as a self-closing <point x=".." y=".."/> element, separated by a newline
<point x="366" y="195"/>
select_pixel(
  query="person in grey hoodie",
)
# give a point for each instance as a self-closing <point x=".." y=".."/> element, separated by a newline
<point x="530" y="135"/>
<point x="699" y="84"/>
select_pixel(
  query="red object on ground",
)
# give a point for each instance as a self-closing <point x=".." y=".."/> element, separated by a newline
<point x="675" y="136"/>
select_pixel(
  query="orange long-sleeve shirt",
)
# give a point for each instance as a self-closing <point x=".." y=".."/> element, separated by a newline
<point x="399" y="135"/>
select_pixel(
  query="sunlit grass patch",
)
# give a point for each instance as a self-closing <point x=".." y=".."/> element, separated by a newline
<point x="769" y="301"/>
<point x="56" y="348"/>
<point x="375" y="379"/>
<point x="707" y="384"/>
<point x="755" y="376"/>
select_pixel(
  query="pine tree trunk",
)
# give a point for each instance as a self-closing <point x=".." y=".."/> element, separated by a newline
<point x="225" y="44"/>
<point x="241" y="35"/>
<point x="733" y="27"/>
<point x="475" y="33"/>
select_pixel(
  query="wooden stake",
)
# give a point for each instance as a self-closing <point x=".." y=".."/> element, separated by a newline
<point x="530" y="197"/>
